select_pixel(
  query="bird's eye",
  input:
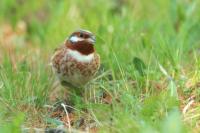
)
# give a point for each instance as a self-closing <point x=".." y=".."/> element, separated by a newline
<point x="81" y="35"/>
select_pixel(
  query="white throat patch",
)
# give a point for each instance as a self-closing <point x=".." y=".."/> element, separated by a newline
<point x="80" y="57"/>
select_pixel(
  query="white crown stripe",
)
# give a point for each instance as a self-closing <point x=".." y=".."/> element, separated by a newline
<point x="75" y="39"/>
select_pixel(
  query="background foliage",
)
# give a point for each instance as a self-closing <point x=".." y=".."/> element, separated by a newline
<point x="150" y="62"/>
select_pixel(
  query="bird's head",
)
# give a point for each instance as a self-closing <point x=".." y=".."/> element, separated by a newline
<point x="82" y="41"/>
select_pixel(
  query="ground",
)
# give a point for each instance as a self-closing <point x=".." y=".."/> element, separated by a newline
<point x="149" y="78"/>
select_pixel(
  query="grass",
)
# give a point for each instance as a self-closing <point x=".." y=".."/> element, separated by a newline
<point x="149" y="54"/>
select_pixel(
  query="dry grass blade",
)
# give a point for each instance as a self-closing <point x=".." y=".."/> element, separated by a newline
<point x="68" y="123"/>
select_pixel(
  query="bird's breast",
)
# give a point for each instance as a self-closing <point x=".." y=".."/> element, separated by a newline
<point x="75" y="68"/>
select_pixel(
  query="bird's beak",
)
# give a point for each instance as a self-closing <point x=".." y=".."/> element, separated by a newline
<point x="92" y="40"/>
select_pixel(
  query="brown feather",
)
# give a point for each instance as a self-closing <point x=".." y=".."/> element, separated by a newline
<point x="83" y="47"/>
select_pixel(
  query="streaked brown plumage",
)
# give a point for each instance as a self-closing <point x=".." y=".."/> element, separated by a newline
<point x="75" y="63"/>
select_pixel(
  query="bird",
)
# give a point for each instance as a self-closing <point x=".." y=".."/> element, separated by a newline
<point x="76" y="61"/>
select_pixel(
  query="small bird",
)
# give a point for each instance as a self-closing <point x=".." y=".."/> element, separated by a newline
<point x="76" y="62"/>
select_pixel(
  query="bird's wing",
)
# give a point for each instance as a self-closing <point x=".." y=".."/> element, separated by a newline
<point x="59" y="48"/>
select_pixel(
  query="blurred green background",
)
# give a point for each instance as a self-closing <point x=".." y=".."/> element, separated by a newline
<point x="149" y="53"/>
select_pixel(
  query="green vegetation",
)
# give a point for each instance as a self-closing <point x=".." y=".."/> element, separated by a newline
<point x="150" y="72"/>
